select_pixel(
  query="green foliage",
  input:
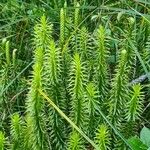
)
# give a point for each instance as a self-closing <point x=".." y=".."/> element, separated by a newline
<point x="145" y="136"/>
<point x="146" y="54"/>
<point x="75" y="142"/>
<point x="76" y="15"/>
<point x="35" y="102"/>
<point x="134" y="106"/>
<point x="54" y="63"/>
<point x="130" y="34"/>
<point x="143" y="143"/>
<point x="16" y="132"/>
<point x="52" y="78"/>
<point x="92" y="104"/>
<point x="119" y="91"/>
<point x="42" y="33"/>
<point x="8" y="53"/>
<point x="77" y="82"/>
<point x="62" y="26"/>
<point x="119" y="97"/>
<point x="2" y="141"/>
<point x="101" y="63"/>
<point x="27" y="133"/>
<point x="103" y="137"/>
<point x="137" y="144"/>
<point x="10" y="66"/>
<point x="85" y="55"/>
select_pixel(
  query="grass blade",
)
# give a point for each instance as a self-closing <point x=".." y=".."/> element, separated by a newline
<point x="68" y="120"/>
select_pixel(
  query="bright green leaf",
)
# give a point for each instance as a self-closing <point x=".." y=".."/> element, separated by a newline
<point x="145" y="136"/>
<point x="136" y="144"/>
